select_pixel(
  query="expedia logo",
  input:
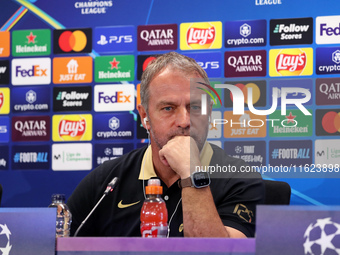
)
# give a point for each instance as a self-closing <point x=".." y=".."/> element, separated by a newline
<point x="204" y="35"/>
<point x="72" y="127"/>
<point x="291" y="62"/>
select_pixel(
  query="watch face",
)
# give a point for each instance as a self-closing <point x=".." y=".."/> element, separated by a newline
<point x="200" y="179"/>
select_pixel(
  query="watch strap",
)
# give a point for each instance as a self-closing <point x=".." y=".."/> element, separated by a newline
<point x="183" y="183"/>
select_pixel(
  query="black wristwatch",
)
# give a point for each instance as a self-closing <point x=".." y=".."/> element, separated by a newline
<point x="197" y="180"/>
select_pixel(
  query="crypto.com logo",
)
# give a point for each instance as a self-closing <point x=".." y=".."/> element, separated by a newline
<point x="238" y="102"/>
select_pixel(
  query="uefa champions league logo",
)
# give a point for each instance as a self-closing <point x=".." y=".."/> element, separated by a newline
<point x="322" y="237"/>
<point x="5" y="246"/>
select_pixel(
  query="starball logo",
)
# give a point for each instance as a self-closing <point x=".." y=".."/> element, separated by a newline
<point x="203" y="35"/>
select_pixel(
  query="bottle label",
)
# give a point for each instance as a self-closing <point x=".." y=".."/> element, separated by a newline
<point x="154" y="231"/>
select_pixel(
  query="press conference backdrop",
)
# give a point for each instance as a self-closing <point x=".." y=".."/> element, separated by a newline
<point x="70" y="73"/>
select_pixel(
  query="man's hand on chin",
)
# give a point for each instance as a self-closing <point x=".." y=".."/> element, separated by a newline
<point x="181" y="153"/>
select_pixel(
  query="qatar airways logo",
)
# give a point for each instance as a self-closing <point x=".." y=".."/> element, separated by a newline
<point x="238" y="99"/>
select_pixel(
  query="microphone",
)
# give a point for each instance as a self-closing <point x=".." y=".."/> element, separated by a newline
<point x="110" y="187"/>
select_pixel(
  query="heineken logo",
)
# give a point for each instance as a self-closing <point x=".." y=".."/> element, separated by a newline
<point x="114" y="68"/>
<point x="31" y="42"/>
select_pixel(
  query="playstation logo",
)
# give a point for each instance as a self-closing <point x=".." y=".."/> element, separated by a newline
<point x="102" y="40"/>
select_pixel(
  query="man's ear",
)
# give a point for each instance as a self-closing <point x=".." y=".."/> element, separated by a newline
<point x="143" y="116"/>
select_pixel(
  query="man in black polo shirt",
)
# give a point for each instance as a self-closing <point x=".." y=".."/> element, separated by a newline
<point x="171" y="113"/>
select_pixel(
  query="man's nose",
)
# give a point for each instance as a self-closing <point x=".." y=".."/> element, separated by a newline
<point x="183" y="118"/>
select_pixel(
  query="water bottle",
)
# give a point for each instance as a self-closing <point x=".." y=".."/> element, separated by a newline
<point x="154" y="215"/>
<point x="64" y="216"/>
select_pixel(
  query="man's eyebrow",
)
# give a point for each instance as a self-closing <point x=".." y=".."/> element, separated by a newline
<point x="163" y="102"/>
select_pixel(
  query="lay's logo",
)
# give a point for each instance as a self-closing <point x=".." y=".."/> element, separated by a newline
<point x="291" y="62"/>
<point x="203" y="35"/>
<point x="72" y="127"/>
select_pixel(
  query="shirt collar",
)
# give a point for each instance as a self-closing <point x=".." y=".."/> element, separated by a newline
<point x="147" y="170"/>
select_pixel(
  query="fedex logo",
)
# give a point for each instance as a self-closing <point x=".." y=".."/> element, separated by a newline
<point x="109" y="98"/>
<point x="118" y="97"/>
<point x="35" y="71"/>
<point x="328" y="30"/>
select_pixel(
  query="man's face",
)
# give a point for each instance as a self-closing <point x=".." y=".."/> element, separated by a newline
<point x="175" y="109"/>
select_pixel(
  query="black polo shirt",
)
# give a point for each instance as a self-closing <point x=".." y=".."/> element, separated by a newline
<point x="119" y="213"/>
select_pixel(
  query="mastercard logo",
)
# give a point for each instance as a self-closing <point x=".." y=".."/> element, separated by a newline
<point x="256" y="93"/>
<point x="331" y="122"/>
<point x="147" y="62"/>
<point x="73" y="41"/>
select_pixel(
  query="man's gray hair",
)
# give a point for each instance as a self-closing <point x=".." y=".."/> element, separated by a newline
<point x="174" y="60"/>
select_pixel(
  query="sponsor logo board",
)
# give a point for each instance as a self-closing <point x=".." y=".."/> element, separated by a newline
<point x="4" y="100"/>
<point x="4" y="44"/>
<point x="31" y="128"/>
<point x="259" y="94"/>
<point x="290" y="153"/>
<point x="109" y="98"/>
<point x="291" y="83"/>
<point x="327" y="30"/>
<point x="31" y="71"/>
<point x="327" y="60"/>
<point x="72" y="99"/>
<point x="113" y="126"/>
<point x="201" y="35"/>
<point x="327" y="122"/>
<point x="253" y="153"/>
<point x="291" y="62"/>
<point x="246" y="33"/>
<point x="291" y="31"/>
<point x="104" y="152"/>
<point x="72" y="70"/>
<point x="114" y="68"/>
<point x="142" y="62"/>
<point x="31" y="157"/>
<point x="245" y="63"/>
<point x="72" y="127"/>
<point x="246" y="125"/>
<point x="30" y="99"/>
<point x="327" y="152"/>
<point x="294" y="124"/>
<point x="71" y="156"/>
<point x="327" y="91"/>
<point x="157" y="37"/>
<point x="210" y="62"/>
<point x="114" y="39"/>
<point x="4" y="129"/>
<point x="31" y="42"/>
<point x="4" y="72"/>
<point x="72" y="41"/>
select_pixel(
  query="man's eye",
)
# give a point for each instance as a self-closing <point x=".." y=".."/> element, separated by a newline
<point x="195" y="107"/>
<point x="168" y="108"/>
